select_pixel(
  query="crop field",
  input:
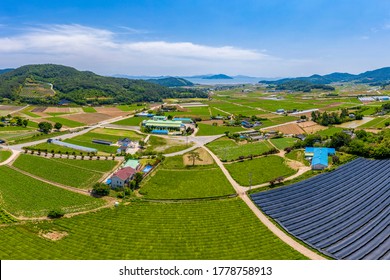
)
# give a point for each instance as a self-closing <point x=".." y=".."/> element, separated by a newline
<point x="4" y="155"/>
<point x="179" y="162"/>
<point x="133" y="107"/>
<point x="290" y="128"/>
<point x="133" y="121"/>
<point x="282" y="143"/>
<point x="28" y="197"/>
<point x="89" y="110"/>
<point x="110" y="111"/>
<point x="201" y="230"/>
<point x="228" y="107"/>
<point x="174" y="180"/>
<point x="116" y="134"/>
<point x="205" y="129"/>
<point x="75" y="173"/>
<point x="330" y="131"/>
<point x="378" y="122"/>
<point x="65" y="122"/>
<point x="298" y="155"/>
<point x="262" y="169"/>
<point x="27" y="111"/>
<point x="166" y="146"/>
<point x="227" y="149"/>
<point x="88" y="118"/>
<point x="6" y="218"/>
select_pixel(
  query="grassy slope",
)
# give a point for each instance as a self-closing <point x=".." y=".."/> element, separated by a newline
<point x="263" y="170"/>
<point x="25" y="196"/>
<point x="76" y="173"/>
<point x="202" y="230"/>
<point x="298" y="155"/>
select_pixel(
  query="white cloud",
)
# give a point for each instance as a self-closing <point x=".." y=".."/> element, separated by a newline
<point x="101" y="51"/>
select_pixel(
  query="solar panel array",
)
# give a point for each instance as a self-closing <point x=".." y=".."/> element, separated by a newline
<point x="344" y="213"/>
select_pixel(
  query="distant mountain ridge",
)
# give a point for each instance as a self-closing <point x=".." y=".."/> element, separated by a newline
<point x="379" y="76"/>
<point x="217" y="77"/>
<point x="171" y="82"/>
<point x="2" y="71"/>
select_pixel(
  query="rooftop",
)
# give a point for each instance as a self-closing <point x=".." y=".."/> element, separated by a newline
<point x="124" y="173"/>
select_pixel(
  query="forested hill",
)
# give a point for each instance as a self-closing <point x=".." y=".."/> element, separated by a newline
<point x="171" y="82"/>
<point x="81" y="87"/>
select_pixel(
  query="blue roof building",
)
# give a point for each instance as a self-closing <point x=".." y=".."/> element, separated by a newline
<point x="319" y="156"/>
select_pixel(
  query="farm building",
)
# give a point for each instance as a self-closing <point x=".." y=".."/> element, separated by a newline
<point x="102" y="142"/>
<point x="280" y="111"/>
<point x="183" y="120"/>
<point x="163" y="125"/>
<point x="159" y="118"/>
<point x="144" y="114"/>
<point x="72" y="146"/>
<point x="246" y="124"/>
<point x="319" y="156"/>
<point x="124" y="142"/>
<point x="122" y="177"/>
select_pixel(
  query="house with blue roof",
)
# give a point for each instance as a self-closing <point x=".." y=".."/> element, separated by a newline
<point x="319" y="157"/>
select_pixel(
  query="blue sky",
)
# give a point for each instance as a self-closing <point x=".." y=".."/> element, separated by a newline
<point x="252" y="37"/>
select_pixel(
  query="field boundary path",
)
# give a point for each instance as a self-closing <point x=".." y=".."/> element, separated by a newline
<point x="241" y="191"/>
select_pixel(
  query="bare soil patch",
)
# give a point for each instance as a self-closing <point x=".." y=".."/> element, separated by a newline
<point x="210" y="122"/>
<point x="88" y="118"/>
<point x="205" y="157"/>
<point x="63" y="110"/>
<point x="290" y="128"/>
<point x="111" y="111"/>
<point x="9" y="108"/>
<point x="311" y="127"/>
<point x="54" y="235"/>
<point x="38" y="109"/>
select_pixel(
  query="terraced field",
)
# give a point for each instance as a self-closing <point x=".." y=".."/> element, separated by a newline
<point x="228" y="149"/>
<point x="203" y="230"/>
<point x="344" y="213"/>
<point x="22" y="195"/>
<point x="76" y="173"/>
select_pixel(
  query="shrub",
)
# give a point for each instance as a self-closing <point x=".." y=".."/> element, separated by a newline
<point x="55" y="213"/>
<point x="101" y="189"/>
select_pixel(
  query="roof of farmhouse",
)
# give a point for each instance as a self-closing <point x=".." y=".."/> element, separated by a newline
<point x="163" y="123"/>
<point x="124" y="173"/>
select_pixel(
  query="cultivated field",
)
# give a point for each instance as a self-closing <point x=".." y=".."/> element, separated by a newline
<point x="282" y="143"/>
<point x="24" y="196"/>
<point x="166" y="146"/>
<point x="224" y="229"/>
<point x="262" y="170"/>
<point x="205" y="129"/>
<point x="75" y="173"/>
<point x="4" y="155"/>
<point x="228" y="149"/>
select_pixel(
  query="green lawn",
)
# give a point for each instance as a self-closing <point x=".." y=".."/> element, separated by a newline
<point x="4" y="155"/>
<point x="76" y="173"/>
<point x="89" y="110"/>
<point x="66" y="122"/>
<point x="25" y="196"/>
<point x="298" y="155"/>
<point x="282" y="143"/>
<point x="175" y="181"/>
<point x="206" y="129"/>
<point x="129" y="108"/>
<point x="133" y="121"/>
<point x="223" y="230"/>
<point x="228" y="149"/>
<point x="263" y="170"/>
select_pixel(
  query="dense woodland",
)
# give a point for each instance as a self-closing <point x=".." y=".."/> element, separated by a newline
<point x="82" y="87"/>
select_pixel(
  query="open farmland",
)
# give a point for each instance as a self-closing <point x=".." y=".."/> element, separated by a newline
<point x="199" y="230"/>
<point x="4" y="155"/>
<point x="228" y="149"/>
<point x="65" y="122"/>
<point x="28" y="197"/>
<point x="133" y="121"/>
<point x="88" y="118"/>
<point x="166" y="146"/>
<point x="262" y="169"/>
<point x="343" y="213"/>
<point x="282" y="143"/>
<point x="181" y="182"/>
<point x="205" y="129"/>
<point x="75" y="173"/>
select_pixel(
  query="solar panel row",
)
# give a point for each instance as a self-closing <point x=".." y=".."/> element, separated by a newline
<point x="344" y="213"/>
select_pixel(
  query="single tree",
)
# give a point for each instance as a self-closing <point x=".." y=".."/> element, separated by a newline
<point x="194" y="156"/>
<point x="57" y="125"/>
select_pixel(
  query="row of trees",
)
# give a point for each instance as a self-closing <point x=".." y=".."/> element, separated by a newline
<point x="334" y="117"/>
